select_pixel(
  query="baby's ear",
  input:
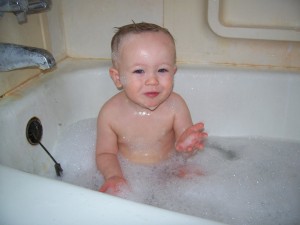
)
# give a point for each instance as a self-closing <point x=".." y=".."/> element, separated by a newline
<point x="175" y="69"/>
<point x="115" y="76"/>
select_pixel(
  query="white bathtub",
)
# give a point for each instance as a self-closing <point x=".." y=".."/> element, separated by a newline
<point x="231" y="102"/>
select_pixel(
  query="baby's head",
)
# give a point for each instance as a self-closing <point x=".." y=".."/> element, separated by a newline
<point x="135" y="28"/>
<point x="144" y="63"/>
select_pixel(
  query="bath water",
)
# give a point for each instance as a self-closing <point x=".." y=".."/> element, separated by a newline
<point x="259" y="185"/>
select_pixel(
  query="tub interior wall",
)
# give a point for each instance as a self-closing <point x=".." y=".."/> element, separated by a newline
<point x="231" y="102"/>
<point x="57" y="101"/>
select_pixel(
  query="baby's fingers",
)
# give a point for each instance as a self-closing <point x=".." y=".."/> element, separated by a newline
<point x="197" y="127"/>
<point x="199" y="145"/>
<point x="113" y="185"/>
<point x="198" y="141"/>
<point x="104" y="187"/>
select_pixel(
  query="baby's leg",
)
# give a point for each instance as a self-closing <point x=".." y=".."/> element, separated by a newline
<point x="188" y="171"/>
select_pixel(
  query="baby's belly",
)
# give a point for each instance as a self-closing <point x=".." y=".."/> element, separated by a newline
<point x="146" y="153"/>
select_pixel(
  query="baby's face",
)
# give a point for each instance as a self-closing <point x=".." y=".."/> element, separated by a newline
<point x="146" y="66"/>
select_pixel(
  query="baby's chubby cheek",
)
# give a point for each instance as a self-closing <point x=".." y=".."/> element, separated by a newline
<point x="123" y="80"/>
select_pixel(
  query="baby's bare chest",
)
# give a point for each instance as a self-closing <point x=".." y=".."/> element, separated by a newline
<point x="143" y="128"/>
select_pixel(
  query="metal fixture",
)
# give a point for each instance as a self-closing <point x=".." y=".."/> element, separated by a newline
<point x="23" y="7"/>
<point x="14" y="56"/>
<point x="34" y="134"/>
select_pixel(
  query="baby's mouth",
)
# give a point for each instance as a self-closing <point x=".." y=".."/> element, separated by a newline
<point x="152" y="94"/>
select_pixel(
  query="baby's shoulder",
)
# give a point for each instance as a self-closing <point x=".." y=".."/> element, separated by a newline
<point x="113" y="104"/>
<point x="175" y="102"/>
<point x="176" y="98"/>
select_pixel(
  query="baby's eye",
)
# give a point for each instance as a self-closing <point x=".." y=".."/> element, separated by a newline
<point x="163" y="70"/>
<point x="138" y="71"/>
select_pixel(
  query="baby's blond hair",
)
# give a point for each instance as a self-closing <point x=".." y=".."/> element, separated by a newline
<point x="134" y="28"/>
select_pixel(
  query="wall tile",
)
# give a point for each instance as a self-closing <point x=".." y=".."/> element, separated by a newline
<point x="89" y="24"/>
<point x="197" y="43"/>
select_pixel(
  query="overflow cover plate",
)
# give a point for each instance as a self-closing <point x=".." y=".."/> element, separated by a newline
<point x="34" y="131"/>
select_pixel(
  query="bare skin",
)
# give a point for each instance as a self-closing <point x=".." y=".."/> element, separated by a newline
<point x="146" y="121"/>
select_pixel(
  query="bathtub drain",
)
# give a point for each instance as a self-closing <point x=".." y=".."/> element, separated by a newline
<point x="34" y="133"/>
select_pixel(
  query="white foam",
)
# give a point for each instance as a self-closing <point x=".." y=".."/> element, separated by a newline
<point x="259" y="185"/>
<point x="75" y="151"/>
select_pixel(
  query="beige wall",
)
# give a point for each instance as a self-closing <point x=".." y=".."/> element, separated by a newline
<point x="197" y="43"/>
<point x="84" y="29"/>
<point x="90" y="27"/>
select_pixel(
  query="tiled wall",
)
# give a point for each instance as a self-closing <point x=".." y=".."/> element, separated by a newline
<point x="84" y="29"/>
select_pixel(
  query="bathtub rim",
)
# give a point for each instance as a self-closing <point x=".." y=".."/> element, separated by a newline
<point x="180" y="64"/>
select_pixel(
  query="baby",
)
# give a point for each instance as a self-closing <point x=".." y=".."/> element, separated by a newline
<point x="146" y="120"/>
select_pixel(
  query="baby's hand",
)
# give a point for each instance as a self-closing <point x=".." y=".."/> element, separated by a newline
<point x="113" y="185"/>
<point x="191" y="139"/>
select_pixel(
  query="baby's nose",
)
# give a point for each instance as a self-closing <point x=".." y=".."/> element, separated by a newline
<point x="152" y="80"/>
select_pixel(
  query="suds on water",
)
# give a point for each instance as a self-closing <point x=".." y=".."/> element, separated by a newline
<point x="261" y="185"/>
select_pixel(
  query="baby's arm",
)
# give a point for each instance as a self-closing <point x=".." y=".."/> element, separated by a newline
<point x="106" y="155"/>
<point x="189" y="137"/>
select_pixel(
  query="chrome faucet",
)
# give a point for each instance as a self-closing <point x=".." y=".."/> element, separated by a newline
<point x="23" y="7"/>
<point x="14" y="56"/>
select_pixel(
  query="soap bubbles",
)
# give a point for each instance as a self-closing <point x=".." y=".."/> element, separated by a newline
<point x="260" y="186"/>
